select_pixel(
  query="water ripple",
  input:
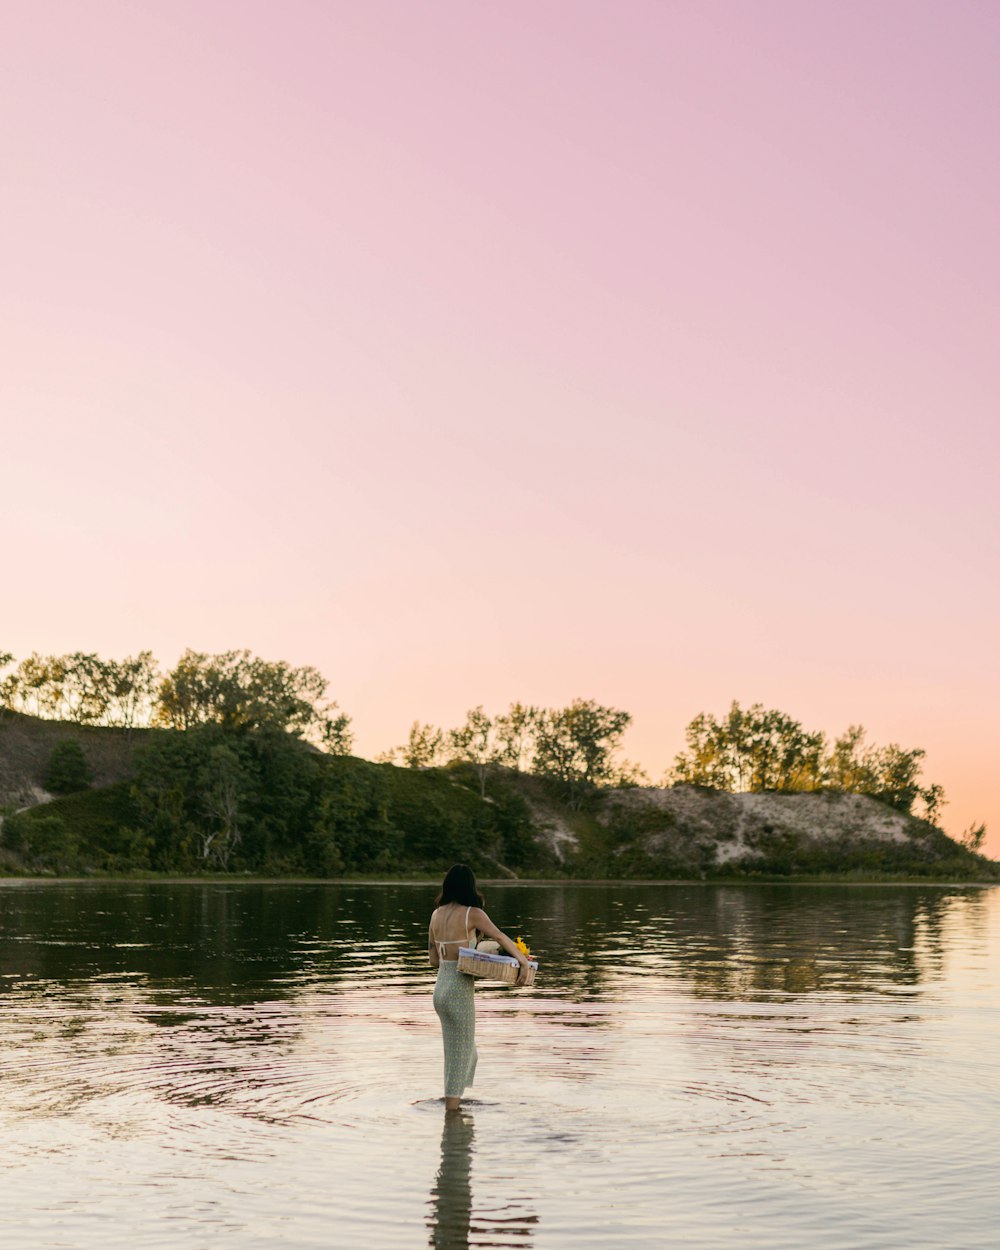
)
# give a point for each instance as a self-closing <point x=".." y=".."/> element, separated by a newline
<point x="260" y="1067"/>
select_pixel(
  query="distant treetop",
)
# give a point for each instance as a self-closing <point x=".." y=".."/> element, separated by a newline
<point x="234" y="690"/>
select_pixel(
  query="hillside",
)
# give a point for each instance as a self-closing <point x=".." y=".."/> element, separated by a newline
<point x="687" y="828"/>
<point x="154" y="806"/>
<point x="26" y="744"/>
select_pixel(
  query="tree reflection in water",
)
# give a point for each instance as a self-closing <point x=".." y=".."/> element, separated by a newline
<point x="453" y="1222"/>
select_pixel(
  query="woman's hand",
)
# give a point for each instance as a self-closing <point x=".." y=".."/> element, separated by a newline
<point x="522" y="972"/>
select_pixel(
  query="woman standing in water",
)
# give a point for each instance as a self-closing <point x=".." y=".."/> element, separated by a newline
<point x="457" y="920"/>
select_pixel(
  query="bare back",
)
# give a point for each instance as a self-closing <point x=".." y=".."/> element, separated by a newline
<point x="450" y="929"/>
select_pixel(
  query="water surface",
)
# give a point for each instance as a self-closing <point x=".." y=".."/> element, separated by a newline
<point x="257" y="1065"/>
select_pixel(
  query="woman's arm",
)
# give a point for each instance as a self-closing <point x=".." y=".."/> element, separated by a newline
<point x="433" y="954"/>
<point x="485" y="925"/>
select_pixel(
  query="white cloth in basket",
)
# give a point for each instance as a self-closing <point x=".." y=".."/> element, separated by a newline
<point x="492" y="959"/>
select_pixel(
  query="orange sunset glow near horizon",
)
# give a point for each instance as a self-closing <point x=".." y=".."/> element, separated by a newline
<point x="643" y="352"/>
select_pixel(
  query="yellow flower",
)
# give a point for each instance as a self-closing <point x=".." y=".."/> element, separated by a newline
<point x="522" y="946"/>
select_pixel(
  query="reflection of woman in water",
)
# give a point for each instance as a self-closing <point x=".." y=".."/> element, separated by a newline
<point x="451" y="1197"/>
<point x="458" y="918"/>
<point x="452" y="1221"/>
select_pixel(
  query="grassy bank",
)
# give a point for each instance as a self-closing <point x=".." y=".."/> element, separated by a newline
<point x="432" y="881"/>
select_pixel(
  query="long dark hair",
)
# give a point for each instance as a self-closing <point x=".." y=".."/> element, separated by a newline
<point x="459" y="886"/>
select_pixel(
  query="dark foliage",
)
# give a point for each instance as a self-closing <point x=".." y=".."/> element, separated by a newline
<point x="68" y="770"/>
<point x="263" y="801"/>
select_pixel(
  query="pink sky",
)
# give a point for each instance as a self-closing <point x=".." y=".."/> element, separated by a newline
<point x="475" y="352"/>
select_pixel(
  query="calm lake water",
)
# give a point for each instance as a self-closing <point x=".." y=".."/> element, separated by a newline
<point x="251" y="1065"/>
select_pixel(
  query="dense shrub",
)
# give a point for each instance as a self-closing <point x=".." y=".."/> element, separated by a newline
<point x="262" y="801"/>
<point x="68" y="770"/>
<point x="43" y="841"/>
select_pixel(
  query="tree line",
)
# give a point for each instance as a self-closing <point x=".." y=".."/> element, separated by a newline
<point x="234" y="690"/>
<point x="579" y="745"/>
<point x="761" y="749"/>
<point x="754" y="749"/>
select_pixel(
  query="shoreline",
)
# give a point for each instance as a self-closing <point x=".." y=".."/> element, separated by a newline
<point x="493" y="882"/>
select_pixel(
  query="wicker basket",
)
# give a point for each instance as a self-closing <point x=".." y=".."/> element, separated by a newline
<point x="492" y="967"/>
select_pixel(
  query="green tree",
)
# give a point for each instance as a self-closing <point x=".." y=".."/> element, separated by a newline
<point x="131" y="685"/>
<point x="933" y="800"/>
<point x="164" y="787"/>
<point x="577" y="745"/>
<point x="850" y="764"/>
<point x="423" y="748"/>
<point x="890" y="773"/>
<point x="782" y="755"/>
<point x="56" y="687"/>
<point x="974" y="837"/>
<point x="753" y="749"/>
<point x="323" y="839"/>
<point x="628" y="776"/>
<point x="706" y="762"/>
<point x="68" y="770"/>
<point x="760" y="749"/>
<point x="474" y="743"/>
<point x="237" y="690"/>
<point x="334" y="730"/>
<point x="223" y="784"/>
<point x="897" y="771"/>
<point x="240" y="799"/>
<point x="44" y="841"/>
<point x="37" y="686"/>
<point x="7" y="684"/>
<point x="86" y="694"/>
<point x="351" y="829"/>
<point x="514" y="729"/>
<point x="83" y="688"/>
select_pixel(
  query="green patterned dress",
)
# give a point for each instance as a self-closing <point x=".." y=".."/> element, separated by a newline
<point x="455" y="1003"/>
